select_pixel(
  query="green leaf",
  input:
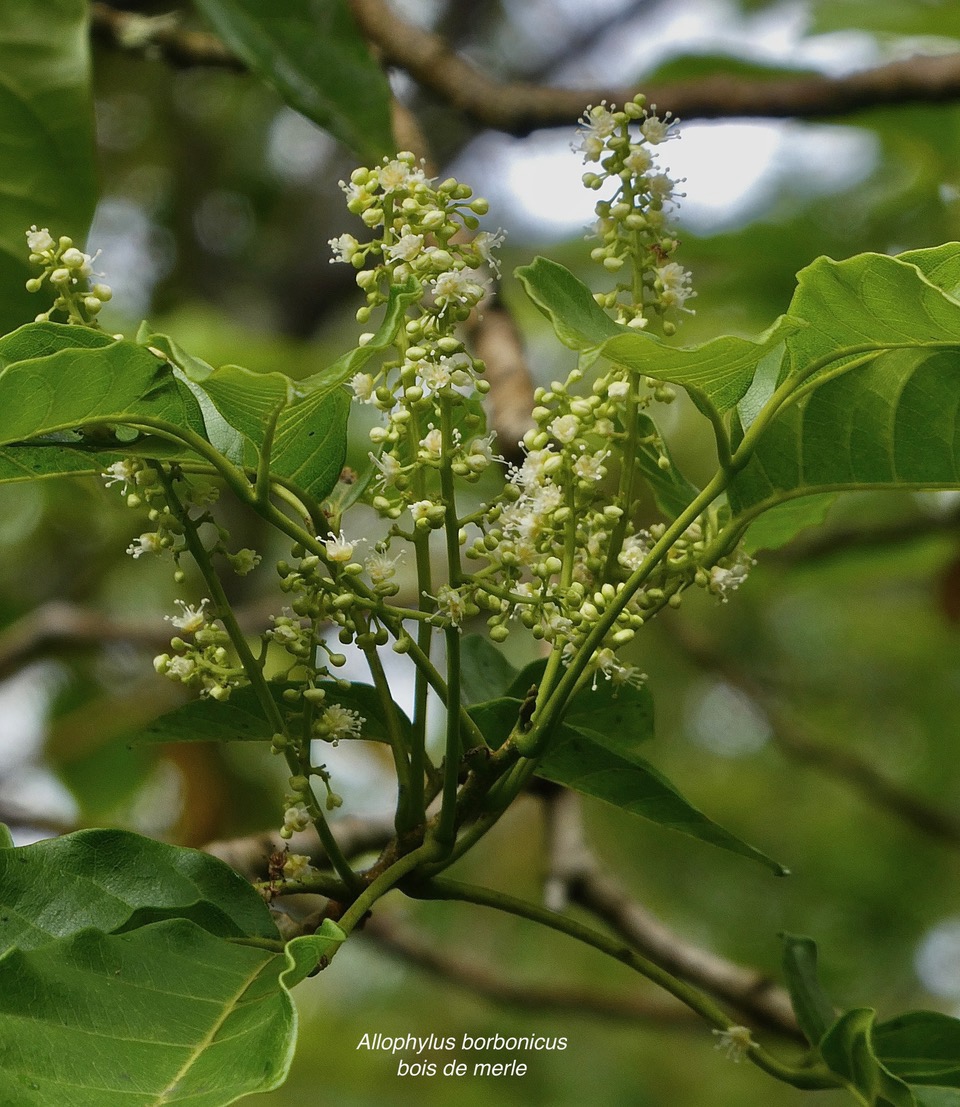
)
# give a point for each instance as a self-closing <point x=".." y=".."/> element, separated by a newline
<point x="781" y="524"/>
<point x="848" y="1050"/>
<point x="921" y="1047"/>
<point x="74" y="387"/>
<point x="6" y="838"/>
<point x="935" y="1097"/>
<point x="873" y="300"/>
<point x="577" y="319"/>
<point x="315" y="57"/>
<point x="59" y="459"/>
<point x="46" y="133"/>
<point x="168" y="1013"/>
<point x="626" y="780"/>
<point x="813" y="1009"/>
<point x="400" y="298"/>
<point x="594" y="751"/>
<point x="485" y="673"/>
<point x="240" y="718"/>
<point x="716" y="374"/>
<point x="113" y="880"/>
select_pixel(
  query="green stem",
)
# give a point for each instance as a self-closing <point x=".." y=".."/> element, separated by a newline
<point x="410" y="803"/>
<point x="253" y="671"/>
<point x="444" y="889"/>
<point x="383" y="883"/>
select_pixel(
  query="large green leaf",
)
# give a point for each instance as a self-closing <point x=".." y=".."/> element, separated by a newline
<point x="74" y="387"/>
<point x="848" y="1050"/>
<point x="46" y="133"/>
<point x="813" y="1009"/>
<point x="113" y="880"/>
<point x="873" y="300"/>
<point x="168" y="1013"/>
<point x="240" y="719"/>
<point x="716" y="374"/>
<point x="921" y="1047"/>
<point x="314" y="56"/>
<point x="891" y="422"/>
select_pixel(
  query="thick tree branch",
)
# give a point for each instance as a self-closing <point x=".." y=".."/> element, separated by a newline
<point x="520" y="107"/>
<point x="479" y="980"/>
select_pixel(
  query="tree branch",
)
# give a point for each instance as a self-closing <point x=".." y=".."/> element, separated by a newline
<point x="519" y="108"/>
<point x="480" y="980"/>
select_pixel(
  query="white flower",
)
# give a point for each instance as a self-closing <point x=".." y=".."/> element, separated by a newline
<point x="121" y="472"/>
<point x="656" y="130"/>
<point x="339" y="549"/>
<point x="381" y="568"/>
<point x="485" y="242"/>
<point x="638" y="161"/>
<point x="145" y="544"/>
<point x="618" y="390"/>
<point x="344" y="248"/>
<point x="343" y="722"/>
<point x="734" y="1042"/>
<point x="390" y="468"/>
<point x="297" y="867"/>
<point x="406" y="249"/>
<point x="39" y="240"/>
<point x="459" y="285"/>
<point x="597" y="125"/>
<point x="192" y="619"/>
<point x="363" y="387"/>
<point x="180" y="668"/>
<point x="673" y="284"/>
<point x="452" y="603"/>
<point x="398" y="174"/>
<point x="432" y="442"/>
<point x="296" y="817"/>
<point x="616" y="671"/>
<point x="590" y="466"/>
<point x="434" y="375"/>
<point x="420" y="509"/>
<point x="565" y="428"/>
<point x="634" y="550"/>
<point x="724" y="581"/>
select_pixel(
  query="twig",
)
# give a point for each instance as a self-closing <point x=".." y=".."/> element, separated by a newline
<point x="484" y="981"/>
<point x="793" y="741"/>
<point x="575" y="870"/>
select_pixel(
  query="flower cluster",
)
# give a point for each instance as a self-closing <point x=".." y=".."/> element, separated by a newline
<point x="202" y="659"/>
<point x="426" y="237"/>
<point x="69" y="272"/>
<point x="632" y="224"/>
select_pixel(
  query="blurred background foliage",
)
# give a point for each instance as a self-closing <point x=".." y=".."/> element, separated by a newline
<point x="843" y="651"/>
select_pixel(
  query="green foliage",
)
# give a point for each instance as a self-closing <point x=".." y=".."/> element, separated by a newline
<point x="162" y="953"/>
<point x="166" y="955"/>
